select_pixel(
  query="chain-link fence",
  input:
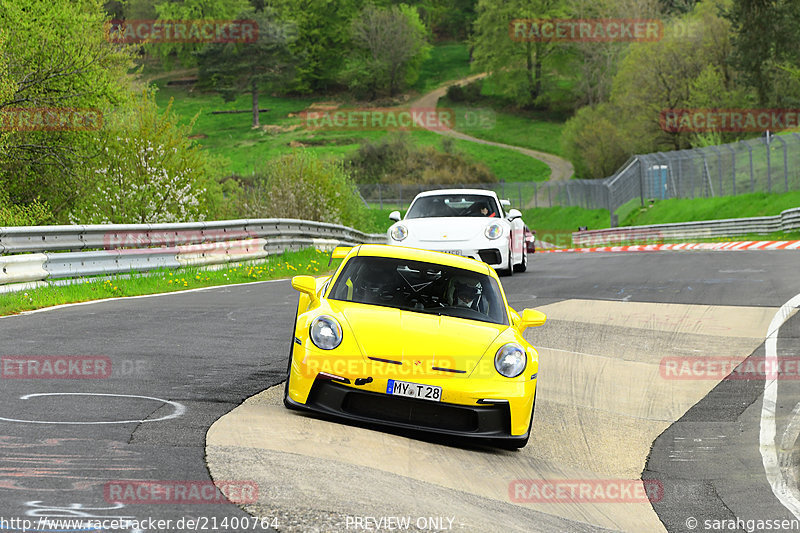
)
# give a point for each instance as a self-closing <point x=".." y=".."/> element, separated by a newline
<point x="765" y="164"/>
<point x="592" y="194"/>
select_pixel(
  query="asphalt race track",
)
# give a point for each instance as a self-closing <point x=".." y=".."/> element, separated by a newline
<point x="609" y="413"/>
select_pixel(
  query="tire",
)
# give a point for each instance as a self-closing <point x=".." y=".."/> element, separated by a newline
<point x="510" y="270"/>
<point x="286" y="401"/>
<point x="523" y="266"/>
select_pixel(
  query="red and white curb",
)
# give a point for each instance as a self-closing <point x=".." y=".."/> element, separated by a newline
<point x="682" y="247"/>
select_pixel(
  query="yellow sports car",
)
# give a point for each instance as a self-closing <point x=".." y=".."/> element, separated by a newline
<point x="414" y="339"/>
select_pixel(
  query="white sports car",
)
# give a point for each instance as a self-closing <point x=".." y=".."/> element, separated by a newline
<point x="468" y="222"/>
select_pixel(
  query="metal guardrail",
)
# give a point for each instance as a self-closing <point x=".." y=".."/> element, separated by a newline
<point x="787" y="221"/>
<point x="38" y="253"/>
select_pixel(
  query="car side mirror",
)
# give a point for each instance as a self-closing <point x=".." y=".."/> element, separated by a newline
<point x="514" y="214"/>
<point x="394" y="215"/>
<point x="531" y="318"/>
<point x="306" y="285"/>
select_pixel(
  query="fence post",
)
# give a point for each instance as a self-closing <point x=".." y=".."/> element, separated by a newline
<point x="733" y="166"/>
<point x="380" y="196"/>
<point x="641" y="181"/>
<point x="785" y="164"/>
<point x="769" y="167"/>
<point x="611" y="223"/>
<point x="519" y="190"/>
<point x="752" y="175"/>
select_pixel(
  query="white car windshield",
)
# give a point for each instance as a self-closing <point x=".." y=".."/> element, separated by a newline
<point x="421" y="287"/>
<point x="454" y="205"/>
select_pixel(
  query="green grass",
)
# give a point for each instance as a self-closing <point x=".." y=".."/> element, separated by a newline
<point x="448" y="61"/>
<point x="687" y="210"/>
<point x="246" y="149"/>
<point x="310" y="261"/>
<point x="536" y="131"/>
<point x="556" y="224"/>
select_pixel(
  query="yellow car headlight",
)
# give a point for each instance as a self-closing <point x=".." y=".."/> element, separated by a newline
<point x="326" y="333"/>
<point x="510" y="360"/>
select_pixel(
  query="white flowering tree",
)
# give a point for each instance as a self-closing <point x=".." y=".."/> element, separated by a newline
<point x="147" y="172"/>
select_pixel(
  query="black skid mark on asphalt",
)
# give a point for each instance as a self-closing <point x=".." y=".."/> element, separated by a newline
<point x="709" y="460"/>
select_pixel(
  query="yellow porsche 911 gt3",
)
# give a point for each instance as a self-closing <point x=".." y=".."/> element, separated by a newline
<point x="414" y="339"/>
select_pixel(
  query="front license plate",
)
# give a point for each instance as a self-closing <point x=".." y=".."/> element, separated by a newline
<point x="414" y="390"/>
<point x="454" y="252"/>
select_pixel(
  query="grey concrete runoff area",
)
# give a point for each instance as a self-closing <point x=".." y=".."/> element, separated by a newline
<point x="629" y="404"/>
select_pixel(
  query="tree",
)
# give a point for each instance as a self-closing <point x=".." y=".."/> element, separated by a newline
<point x="149" y="171"/>
<point x="390" y="45"/>
<point x="55" y="55"/>
<point x="323" y="39"/>
<point x="517" y="67"/>
<point x="595" y="63"/>
<point x="675" y="73"/>
<point x="451" y="19"/>
<point x="766" y="33"/>
<point x="189" y="10"/>
<point x="233" y="68"/>
<point x="594" y="142"/>
<point x="300" y="185"/>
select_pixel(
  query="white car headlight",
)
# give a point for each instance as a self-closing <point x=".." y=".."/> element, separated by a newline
<point x="326" y="333"/>
<point x="510" y="360"/>
<point x="399" y="232"/>
<point x="493" y="231"/>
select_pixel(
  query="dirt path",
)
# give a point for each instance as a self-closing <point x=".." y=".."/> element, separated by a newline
<point x="560" y="169"/>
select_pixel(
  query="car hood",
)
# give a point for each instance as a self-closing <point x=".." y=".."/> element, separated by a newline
<point x="447" y="228"/>
<point x="422" y="340"/>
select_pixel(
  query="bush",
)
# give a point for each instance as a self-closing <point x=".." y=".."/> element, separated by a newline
<point x="300" y="185"/>
<point x="395" y="159"/>
<point x="594" y="143"/>
<point x="469" y="93"/>
<point x="148" y="171"/>
<point x="35" y="213"/>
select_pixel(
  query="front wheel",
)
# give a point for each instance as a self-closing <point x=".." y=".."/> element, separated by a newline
<point x="523" y="266"/>
<point x="510" y="270"/>
<point x="286" y="401"/>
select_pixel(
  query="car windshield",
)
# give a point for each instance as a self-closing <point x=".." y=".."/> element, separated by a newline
<point x="421" y="287"/>
<point x="453" y="205"/>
